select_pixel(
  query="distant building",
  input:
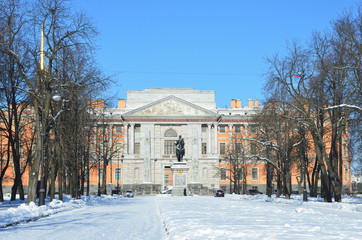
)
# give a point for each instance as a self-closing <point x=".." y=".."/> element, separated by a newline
<point x="138" y="138"/>
<point x="147" y="124"/>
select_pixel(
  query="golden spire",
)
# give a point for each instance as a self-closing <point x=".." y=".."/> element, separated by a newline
<point x="42" y="48"/>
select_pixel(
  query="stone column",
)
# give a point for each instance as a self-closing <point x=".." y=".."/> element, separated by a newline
<point x="195" y="158"/>
<point x="209" y="140"/>
<point x="215" y="139"/>
<point x="246" y="139"/>
<point x="95" y="139"/>
<point x="230" y="137"/>
<point x="126" y="139"/>
<point x="147" y="157"/>
<point x="131" y="140"/>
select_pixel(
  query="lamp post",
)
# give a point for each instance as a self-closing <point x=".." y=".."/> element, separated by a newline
<point x="99" y="165"/>
<point x="56" y="97"/>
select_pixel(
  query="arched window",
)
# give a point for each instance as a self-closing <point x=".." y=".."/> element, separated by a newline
<point x="170" y="133"/>
<point x="169" y="142"/>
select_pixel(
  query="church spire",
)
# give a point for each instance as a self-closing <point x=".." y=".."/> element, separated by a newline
<point x="42" y="64"/>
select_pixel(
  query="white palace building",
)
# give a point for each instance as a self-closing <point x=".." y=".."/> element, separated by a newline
<point x="140" y="137"/>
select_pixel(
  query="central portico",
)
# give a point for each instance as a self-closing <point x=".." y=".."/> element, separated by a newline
<point x="153" y="120"/>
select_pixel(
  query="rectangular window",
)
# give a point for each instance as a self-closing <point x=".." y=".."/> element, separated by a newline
<point x="204" y="128"/>
<point x="345" y="149"/>
<point x="137" y="128"/>
<point x="253" y="148"/>
<point x="252" y="129"/>
<point x="237" y="129"/>
<point x="102" y="147"/>
<point x="103" y="129"/>
<point x="137" y="148"/>
<point x="222" y="147"/>
<point x="222" y="129"/>
<point x="118" y="129"/>
<point x="240" y="173"/>
<point x="238" y="147"/>
<point x="169" y="147"/>
<point x="204" y="148"/>
<point x="167" y="180"/>
<point x="346" y="174"/>
<point x="118" y="146"/>
<point x="223" y="174"/>
<point x="254" y="174"/>
<point x="117" y="174"/>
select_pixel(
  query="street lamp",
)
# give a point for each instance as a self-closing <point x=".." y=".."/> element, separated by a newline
<point x="99" y="166"/>
<point x="56" y="97"/>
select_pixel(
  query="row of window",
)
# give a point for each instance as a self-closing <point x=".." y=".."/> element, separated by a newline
<point x="137" y="128"/>
<point x="254" y="174"/>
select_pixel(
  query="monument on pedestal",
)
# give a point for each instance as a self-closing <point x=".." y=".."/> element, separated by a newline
<point x="179" y="170"/>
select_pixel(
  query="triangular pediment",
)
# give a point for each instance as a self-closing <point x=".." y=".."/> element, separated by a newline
<point x="171" y="106"/>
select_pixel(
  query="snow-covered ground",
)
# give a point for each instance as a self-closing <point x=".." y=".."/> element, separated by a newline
<point x="193" y="217"/>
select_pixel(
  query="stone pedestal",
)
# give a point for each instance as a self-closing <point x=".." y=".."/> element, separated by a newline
<point x="179" y="170"/>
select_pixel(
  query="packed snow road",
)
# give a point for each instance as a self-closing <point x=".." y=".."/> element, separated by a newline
<point x="120" y="218"/>
<point x="194" y="217"/>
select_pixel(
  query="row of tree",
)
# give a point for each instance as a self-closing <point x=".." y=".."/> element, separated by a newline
<point x="313" y="93"/>
<point x="31" y="123"/>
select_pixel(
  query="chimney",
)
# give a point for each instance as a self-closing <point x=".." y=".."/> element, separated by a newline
<point x="96" y="104"/>
<point x="121" y="103"/>
<point x="250" y="103"/>
<point x="256" y="103"/>
<point x="238" y="103"/>
<point x="235" y="103"/>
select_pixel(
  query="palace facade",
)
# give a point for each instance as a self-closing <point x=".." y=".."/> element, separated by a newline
<point x="142" y="132"/>
<point x="138" y="140"/>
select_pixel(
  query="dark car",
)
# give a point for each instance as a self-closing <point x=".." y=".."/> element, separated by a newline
<point x="254" y="192"/>
<point x="219" y="193"/>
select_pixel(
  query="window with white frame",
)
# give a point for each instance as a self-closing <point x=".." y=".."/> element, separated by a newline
<point x="254" y="171"/>
<point x="222" y="148"/>
<point x="252" y="129"/>
<point x="137" y="128"/>
<point x="169" y="142"/>
<point x="346" y="173"/>
<point x="223" y="174"/>
<point x="169" y="147"/>
<point x="238" y="147"/>
<point x="203" y="148"/>
<point x="222" y="129"/>
<point x="118" y="146"/>
<point x="118" y="129"/>
<point x="204" y="128"/>
<point x="240" y="173"/>
<point x="137" y="148"/>
<point x="237" y="129"/>
<point x="253" y="148"/>
<point x="102" y="129"/>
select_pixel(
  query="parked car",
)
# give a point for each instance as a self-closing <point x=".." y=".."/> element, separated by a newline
<point x="219" y="193"/>
<point x="129" y="193"/>
<point x="167" y="190"/>
<point x="254" y="192"/>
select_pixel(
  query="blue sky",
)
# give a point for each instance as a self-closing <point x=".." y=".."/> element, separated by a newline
<point x="217" y="45"/>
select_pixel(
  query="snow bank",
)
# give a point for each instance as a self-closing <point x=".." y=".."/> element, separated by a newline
<point x="24" y="213"/>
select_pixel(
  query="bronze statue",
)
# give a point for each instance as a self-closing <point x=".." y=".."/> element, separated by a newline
<point x="180" y="148"/>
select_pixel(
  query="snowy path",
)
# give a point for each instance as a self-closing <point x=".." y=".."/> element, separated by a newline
<point x="123" y="218"/>
<point x="258" y="217"/>
<point x="164" y="217"/>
